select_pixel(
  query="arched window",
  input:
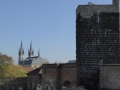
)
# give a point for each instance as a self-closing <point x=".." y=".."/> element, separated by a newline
<point x="66" y="83"/>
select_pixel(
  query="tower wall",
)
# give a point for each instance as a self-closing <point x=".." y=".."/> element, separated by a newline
<point x="97" y="41"/>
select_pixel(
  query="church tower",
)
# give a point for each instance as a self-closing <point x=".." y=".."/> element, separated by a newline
<point x="30" y="52"/>
<point x="21" y="53"/>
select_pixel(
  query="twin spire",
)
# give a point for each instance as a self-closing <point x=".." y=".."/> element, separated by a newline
<point x="30" y="51"/>
<point x="21" y="50"/>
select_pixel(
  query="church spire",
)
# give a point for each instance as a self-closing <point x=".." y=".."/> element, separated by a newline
<point x="31" y="47"/>
<point x="21" y="50"/>
<point x="21" y="53"/>
<point x="21" y="44"/>
<point x="38" y="53"/>
<point x="31" y="51"/>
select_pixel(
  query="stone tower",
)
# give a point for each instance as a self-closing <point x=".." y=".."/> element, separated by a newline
<point x="30" y="52"/>
<point x="97" y="41"/>
<point x="21" y="53"/>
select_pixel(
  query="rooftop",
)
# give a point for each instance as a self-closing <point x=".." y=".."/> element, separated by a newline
<point x="35" y="71"/>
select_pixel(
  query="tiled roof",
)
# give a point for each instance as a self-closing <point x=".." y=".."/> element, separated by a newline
<point x="35" y="71"/>
<point x="28" y="69"/>
<point x="33" y="60"/>
<point x="39" y="60"/>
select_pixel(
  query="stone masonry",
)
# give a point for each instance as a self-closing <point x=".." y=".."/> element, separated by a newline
<point x="54" y="76"/>
<point x="13" y="83"/>
<point x="97" y="41"/>
<point x="110" y="77"/>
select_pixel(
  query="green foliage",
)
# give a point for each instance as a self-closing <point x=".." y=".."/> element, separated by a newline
<point x="4" y="59"/>
<point x="20" y="72"/>
<point x="6" y="66"/>
<point x="8" y="69"/>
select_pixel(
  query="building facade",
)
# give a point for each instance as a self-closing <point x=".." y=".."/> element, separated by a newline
<point x="31" y="60"/>
<point x="34" y="79"/>
<point x="97" y="41"/>
<point x="54" y="76"/>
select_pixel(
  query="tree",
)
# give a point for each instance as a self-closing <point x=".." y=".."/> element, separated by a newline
<point x="20" y="72"/>
<point x="6" y="66"/>
<point x="8" y="69"/>
<point x="4" y="59"/>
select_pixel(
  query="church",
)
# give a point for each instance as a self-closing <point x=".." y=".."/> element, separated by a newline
<point x="31" y="60"/>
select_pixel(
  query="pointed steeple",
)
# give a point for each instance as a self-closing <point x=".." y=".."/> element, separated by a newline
<point x="21" y="50"/>
<point x="31" y="47"/>
<point x="20" y="53"/>
<point x="28" y="53"/>
<point x="31" y="51"/>
<point x="21" y="44"/>
<point x="38" y="53"/>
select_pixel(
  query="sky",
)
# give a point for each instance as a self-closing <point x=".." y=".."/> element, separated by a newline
<point x="48" y="24"/>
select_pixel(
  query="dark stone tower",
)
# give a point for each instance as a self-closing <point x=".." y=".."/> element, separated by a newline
<point x="97" y="41"/>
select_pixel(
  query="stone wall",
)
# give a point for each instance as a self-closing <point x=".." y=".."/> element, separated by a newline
<point x="49" y="76"/>
<point x="34" y="82"/>
<point x="97" y="41"/>
<point x="13" y="83"/>
<point x="54" y="76"/>
<point x="110" y="77"/>
<point x="74" y="87"/>
<point x="68" y="73"/>
<point x="49" y="83"/>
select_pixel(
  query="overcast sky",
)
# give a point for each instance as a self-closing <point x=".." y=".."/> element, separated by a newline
<point x="49" y="24"/>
